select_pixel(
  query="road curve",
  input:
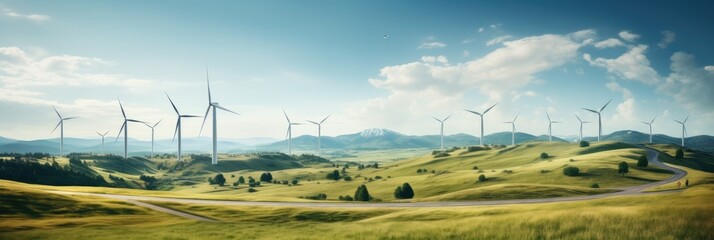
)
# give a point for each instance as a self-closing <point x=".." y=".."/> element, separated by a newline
<point x="138" y="200"/>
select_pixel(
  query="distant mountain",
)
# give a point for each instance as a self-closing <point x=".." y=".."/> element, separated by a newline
<point x="369" y="139"/>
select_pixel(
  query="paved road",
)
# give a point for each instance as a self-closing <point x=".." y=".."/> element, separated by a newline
<point x="138" y="200"/>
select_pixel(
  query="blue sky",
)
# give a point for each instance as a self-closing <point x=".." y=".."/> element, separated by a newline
<point x="316" y="58"/>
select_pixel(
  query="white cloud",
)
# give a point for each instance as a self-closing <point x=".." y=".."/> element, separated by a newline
<point x="615" y="87"/>
<point x="690" y="85"/>
<point x="33" y="17"/>
<point x="632" y="65"/>
<point x="430" y="45"/>
<point x="19" y="69"/>
<point x="628" y="36"/>
<point x="498" y="40"/>
<point x="432" y="59"/>
<point x="667" y="38"/>
<point x="480" y="29"/>
<point x="467" y="41"/>
<point x="709" y="68"/>
<point x="611" y="42"/>
<point x="495" y="25"/>
<point x="466" y="53"/>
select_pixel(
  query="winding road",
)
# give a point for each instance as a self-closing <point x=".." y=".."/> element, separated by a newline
<point x="139" y="200"/>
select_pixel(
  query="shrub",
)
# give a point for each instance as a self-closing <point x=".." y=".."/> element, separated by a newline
<point x="543" y="155"/>
<point x="334" y="175"/>
<point x="252" y="190"/>
<point x="475" y="168"/>
<point x="622" y="168"/>
<point x="266" y="177"/>
<point x="595" y="185"/>
<point x="377" y="177"/>
<point x="235" y="184"/>
<point x="294" y="182"/>
<point x="404" y="192"/>
<point x="252" y="184"/>
<point x="544" y="171"/>
<point x="679" y="154"/>
<point x="347" y="198"/>
<point x="241" y="180"/>
<point x="584" y="144"/>
<point x="319" y="196"/>
<point x="285" y="182"/>
<point x="482" y="178"/>
<point x="571" y="171"/>
<point x="419" y="170"/>
<point x="233" y="176"/>
<point x="642" y="161"/>
<point x="347" y="178"/>
<point x="441" y="154"/>
<point x="219" y="179"/>
<point x="362" y="194"/>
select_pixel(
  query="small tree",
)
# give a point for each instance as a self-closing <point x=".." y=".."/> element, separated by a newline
<point x="543" y="155"/>
<point x="407" y="191"/>
<point x="482" y="178"/>
<point x="376" y="165"/>
<point x="642" y="161"/>
<point x="219" y="179"/>
<point x="148" y="181"/>
<point x="584" y="144"/>
<point x="241" y="180"/>
<point x="295" y="182"/>
<point x="335" y="175"/>
<point x="362" y="194"/>
<point x="622" y="168"/>
<point x="571" y="171"/>
<point x="266" y="177"/>
<point x="679" y="154"/>
<point x="398" y="192"/>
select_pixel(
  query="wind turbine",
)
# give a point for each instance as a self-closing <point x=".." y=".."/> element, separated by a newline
<point x="581" y="126"/>
<point x="60" y="124"/>
<point x="650" y="124"/>
<point x="125" y="128"/>
<point x="599" y="119"/>
<point x="684" y="129"/>
<point x="481" y="115"/>
<point x="319" y="132"/>
<point x="213" y="105"/>
<point x="550" y="127"/>
<point x="178" y="125"/>
<point x="513" y="130"/>
<point x="441" y="121"/>
<point x="102" y="135"/>
<point x="152" y="135"/>
<point x="289" y="134"/>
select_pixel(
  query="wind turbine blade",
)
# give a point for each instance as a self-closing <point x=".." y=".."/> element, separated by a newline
<point x="157" y="123"/>
<point x="190" y="116"/>
<point x="679" y="122"/>
<point x="225" y="109"/>
<point x="60" y="116"/>
<point x="603" y="107"/>
<point x="295" y="123"/>
<point x="323" y="120"/>
<point x="556" y="122"/>
<point x="590" y="110"/>
<point x="576" y="116"/>
<point x="209" y="86"/>
<point x="58" y="124"/>
<point x="106" y="133"/>
<point x="172" y="103"/>
<point x="685" y="120"/>
<point x="204" y="117"/>
<point x="653" y="119"/>
<point x="546" y="114"/>
<point x="122" y="108"/>
<point x="685" y="130"/>
<point x="287" y="133"/>
<point x="98" y="133"/>
<point x="646" y="123"/>
<point x="514" y="119"/>
<point x="176" y="130"/>
<point x="435" y="118"/>
<point x="136" y="121"/>
<point x="120" y="130"/>
<point x="69" y="118"/>
<point x="286" y="116"/>
<point x="447" y="118"/>
<point x="312" y="122"/>
<point x="472" y="112"/>
<point x="489" y="109"/>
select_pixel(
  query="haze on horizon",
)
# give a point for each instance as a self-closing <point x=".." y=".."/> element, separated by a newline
<point x="324" y="57"/>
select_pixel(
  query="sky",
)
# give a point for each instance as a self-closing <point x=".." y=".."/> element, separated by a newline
<point x="319" y="58"/>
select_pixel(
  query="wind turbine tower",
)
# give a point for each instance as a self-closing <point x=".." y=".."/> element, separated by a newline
<point x="125" y="128"/>
<point x="60" y="124"/>
<point x="213" y="105"/>
<point x="152" y="135"/>
<point x="684" y="129"/>
<point x="319" y="133"/>
<point x="441" y="121"/>
<point x="513" y="130"/>
<point x="650" y="124"/>
<point x="599" y="119"/>
<point x="102" y="135"/>
<point x="178" y="125"/>
<point x="581" y="127"/>
<point x="550" y="127"/>
<point x="481" y="115"/>
<point x="289" y="134"/>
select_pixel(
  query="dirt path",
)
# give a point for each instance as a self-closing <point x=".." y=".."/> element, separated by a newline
<point x="139" y="200"/>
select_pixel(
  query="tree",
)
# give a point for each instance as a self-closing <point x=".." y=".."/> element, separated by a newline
<point x="148" y="181"/>
<point x="571" y="171"/>
<point x="543" y="155"/>
<point x="241" y="180"/>
<point x="482" y="178"/>
<point x="335" y="175"/>
<point x="266" y="177"/>
<point x="398" y="192"/>
<point x="362" y="194"/>
<point x="622" y="168"/>
<point x="679" y="154"/>
<point x="219" y="179"/>
<point x="407" y="191"/>
<point x="584" y="144"/>
<point x="642" y="161"/>
<point x="376" y="165"/>
<point x="295" y="182"/>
